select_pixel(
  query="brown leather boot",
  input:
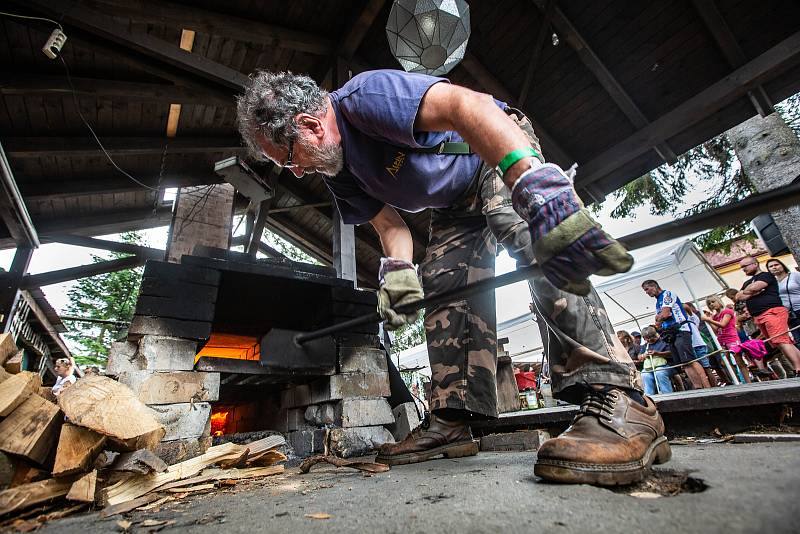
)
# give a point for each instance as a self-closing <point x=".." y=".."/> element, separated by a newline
<point x="453" y="439"/>
<point x="613" y="440"/>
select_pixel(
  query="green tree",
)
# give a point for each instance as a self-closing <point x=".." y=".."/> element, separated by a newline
<point x="409" y="336"/>
<point x="110" y="296"/>
<point x="712" y="166"/>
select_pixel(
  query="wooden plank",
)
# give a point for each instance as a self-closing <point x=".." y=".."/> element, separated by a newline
<point x="111" y="409"/>
<point x="693" y="110"/>
<point x="77" y="449"/>
<point x="35" y="147"/>
<point x="83" y="489"/>
<point x="16" y="390"/>
<point x="7" y="346"/>
<point x="25" y="496"/>
<point x="179" y="272"/>
<point x="215" y="23"/>
<point x="31" y="430"/>
<point x="161" y="287"/>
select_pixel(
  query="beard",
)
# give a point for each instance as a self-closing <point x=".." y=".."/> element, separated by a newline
<point x="327" y="159"/>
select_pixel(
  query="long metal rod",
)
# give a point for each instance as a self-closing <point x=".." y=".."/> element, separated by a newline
<point x="776" y="199"/>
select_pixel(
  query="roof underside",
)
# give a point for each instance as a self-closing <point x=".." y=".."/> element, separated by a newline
<point x="630" y="85"/>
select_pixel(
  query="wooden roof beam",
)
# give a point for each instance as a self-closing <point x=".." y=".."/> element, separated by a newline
<point x="215" y="23"/>
<point x="30" y="281"/>
<point x="13" y="211"/>
<point x="607" y="80"/>
<point x="104" y="244"/>
<point x="491" y="84"/>
<point x="39" y="85"/>
<point x="355" y="35"/>
<point x="39" y="190"/>
<point x="263" y="246"/>
<point x="733" y="53"/>
<point x="706" y="103"/>
<point x="37" y="147"/>
<point x="76" y="15"/>
<point x="533" y="62"/>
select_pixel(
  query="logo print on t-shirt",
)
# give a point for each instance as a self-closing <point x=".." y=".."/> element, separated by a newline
<point x="394" y="168"/>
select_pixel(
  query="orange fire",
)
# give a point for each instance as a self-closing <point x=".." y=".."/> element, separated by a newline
<point x="218" y="423"/>
<point x="231" y="346"/>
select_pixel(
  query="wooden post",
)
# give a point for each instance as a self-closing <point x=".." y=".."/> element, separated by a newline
<point x="9" y="288"/>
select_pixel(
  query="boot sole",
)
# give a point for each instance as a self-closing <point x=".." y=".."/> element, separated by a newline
<point x="459" y="449"/>
<point x="568" y="472"/>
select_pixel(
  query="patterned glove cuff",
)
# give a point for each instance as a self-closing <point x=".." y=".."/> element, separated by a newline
<point x="535" y="187"/>
<point x="389" y="265"/>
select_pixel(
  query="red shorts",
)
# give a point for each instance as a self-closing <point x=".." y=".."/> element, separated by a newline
<point x="774" y="324"/>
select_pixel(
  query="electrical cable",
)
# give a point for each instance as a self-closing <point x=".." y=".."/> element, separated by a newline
<point x="60" y="27"/>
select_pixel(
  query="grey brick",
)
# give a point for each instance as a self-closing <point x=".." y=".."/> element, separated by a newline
<point x="307" y="442"/>
<point x="321" y="414"/>
<point x="406" y="419"/>
<point x="362" y="360"/>
<point x="347" y="442"/>
<point x="363" y="412"/>
<point x="122" y="358"/>
<point x="162" y="353"/>
<point x="296" y="396"/>
<point x="342" y="386"/>
<point x="184" y="420"/>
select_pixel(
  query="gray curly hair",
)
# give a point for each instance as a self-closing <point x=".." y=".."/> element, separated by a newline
<point x="270" y="103"/>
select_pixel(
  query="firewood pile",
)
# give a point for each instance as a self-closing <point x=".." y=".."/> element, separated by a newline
<point x="92" y="446"/>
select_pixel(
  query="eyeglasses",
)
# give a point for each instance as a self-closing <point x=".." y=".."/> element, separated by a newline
<point x="289" y="163"/>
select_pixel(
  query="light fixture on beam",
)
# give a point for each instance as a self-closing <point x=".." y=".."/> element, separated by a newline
<point x="428" y="36"/>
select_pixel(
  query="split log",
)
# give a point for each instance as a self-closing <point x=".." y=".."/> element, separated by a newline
<point x="25" y="473"/>
<point x="105" y="459"/>
<point x="16" y="389"/>
<point x="137" y="486"/>
<point x="77" y="449"/>
<point x="47" y="394"/>
<point x="84" y="488"/>
<point x="7" y="347"/>
<point x="31" y="430"/>
<point x="225" y="474"/>
<point x="142" y="462"/>
<point x="4" y="375"/>
<point x="111" y="409"/>
<point x="21" y="497"/>
<point x="13" y="364"/>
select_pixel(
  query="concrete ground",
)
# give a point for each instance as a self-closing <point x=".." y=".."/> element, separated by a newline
<point x="751" y="488"/>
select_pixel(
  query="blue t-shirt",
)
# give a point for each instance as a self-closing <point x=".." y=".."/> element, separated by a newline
<point x="375" y="113"/>
<point x="670" y="300"/>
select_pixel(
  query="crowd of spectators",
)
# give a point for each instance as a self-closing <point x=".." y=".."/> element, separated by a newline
<point x="755" y="336"/>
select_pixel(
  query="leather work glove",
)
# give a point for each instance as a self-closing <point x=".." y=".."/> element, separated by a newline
<point x="568" y="243"/>
<point x="399" y="285"/>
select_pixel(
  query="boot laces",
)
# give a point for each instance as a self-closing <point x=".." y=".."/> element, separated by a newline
<point x="598" y="404"/>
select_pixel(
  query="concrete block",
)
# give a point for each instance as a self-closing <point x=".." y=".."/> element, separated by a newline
<point x="170" y="387"/>
<point x="406" y="419"/>
<point x="122" y="358"/>
<point x="296" y="396"/>
<point x="296" y="420"/>
<point x="305" y="443"/>
<point x="179" y="450"/>
<point x="362" y="360"/>
<point x="162" y="353"/>
<point x="363" y="412"/>
<point x="321" y="414"/>
<point x="347" y="442"/>
<point x="342" y="386"/>
<point x="522" y="440"/>
<point x="185" y="420"/>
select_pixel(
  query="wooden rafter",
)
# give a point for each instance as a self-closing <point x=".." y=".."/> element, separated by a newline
<point x="104" y="244"/>
<point x="263" y="247"/>
<point x="215" y="23"/>
<point x="355" y="35"/>
<point x="693" y="110"/>
<point x="51" y="189"/>
<point x="31" y="281"/>
<point x="36" y="147"/>
<point x="730" y="48"/>
<point x="39" y="85"/>
<point x="604" y="76"/>
<point x="536" y="53"/>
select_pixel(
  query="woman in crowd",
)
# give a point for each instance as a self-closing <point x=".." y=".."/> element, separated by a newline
<point x="64" y="375"/>
<point x="628" y="342"/>
<point x="789" y="289"/>
<point x="723" y="321"/>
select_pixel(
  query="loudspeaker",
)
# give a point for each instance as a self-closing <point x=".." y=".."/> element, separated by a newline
<point x="768" y="232"/>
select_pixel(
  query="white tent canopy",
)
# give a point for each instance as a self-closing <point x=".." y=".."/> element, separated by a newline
<point x="681" y="268"/>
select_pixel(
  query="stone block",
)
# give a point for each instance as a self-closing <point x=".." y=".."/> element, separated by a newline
<point x="122" y="358"/>
<point x="362" y="360"/>
<point x="171" y="387"/>
<point x="321" y="414"/>
<point x="363" y="412"/>
<point x="347" y="442"/>
<point x="162" y="353"/>
<point x="522" y="440"/>
<point x="184" y="420"/>
<point x="295" y="420"/>
<point x="406" y="419"/>
<point x="179" y="450"/>
<point x="296" y="396"/>
<point x="305" y="443"/>
<point x="342" y="386"/>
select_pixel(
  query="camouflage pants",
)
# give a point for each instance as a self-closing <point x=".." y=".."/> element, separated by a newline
<point x="580" y="343"/>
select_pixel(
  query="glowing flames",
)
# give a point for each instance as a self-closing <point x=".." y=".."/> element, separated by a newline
<point x="218" y="423"/>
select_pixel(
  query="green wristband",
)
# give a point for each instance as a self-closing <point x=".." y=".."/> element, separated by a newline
<point x="515" y="155"/>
